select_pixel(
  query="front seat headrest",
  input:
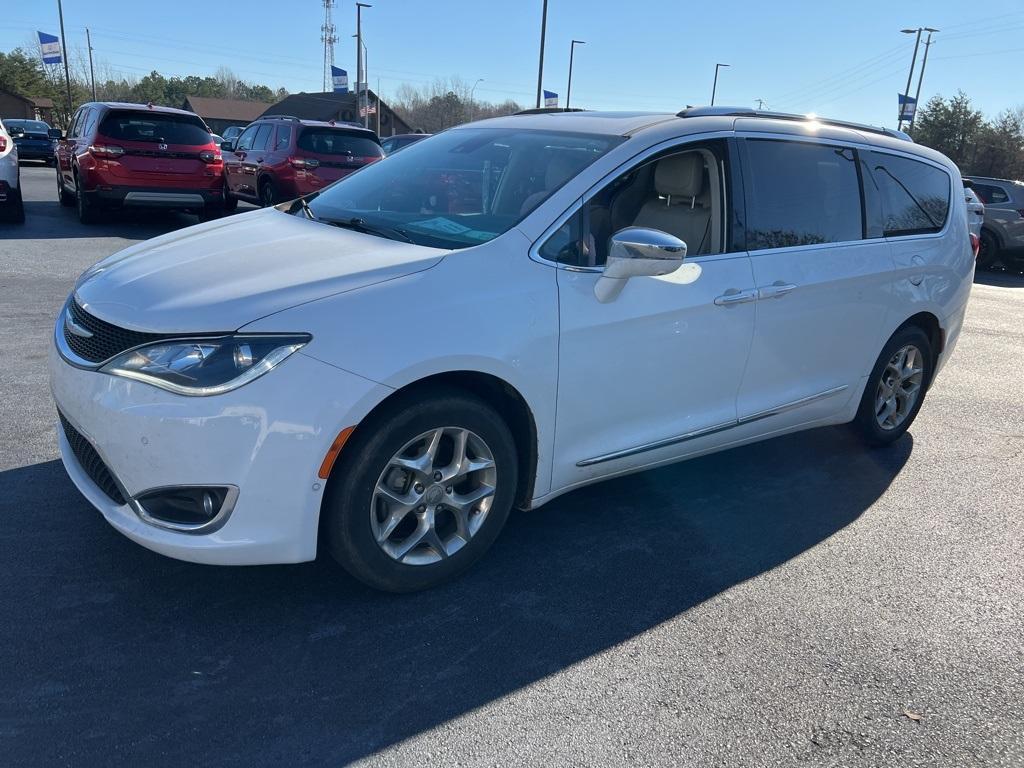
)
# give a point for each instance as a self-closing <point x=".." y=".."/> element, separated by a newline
<point x="680" y="175"/>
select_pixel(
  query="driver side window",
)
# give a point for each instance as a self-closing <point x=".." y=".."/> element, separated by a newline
<point x="246" y="139"/>
<point x="680" y="192"/>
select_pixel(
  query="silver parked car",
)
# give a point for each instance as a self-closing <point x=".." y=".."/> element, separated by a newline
<point x="1002" y="234"/>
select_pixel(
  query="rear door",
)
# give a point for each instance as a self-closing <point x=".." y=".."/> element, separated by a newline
<point x="824" y="280"/>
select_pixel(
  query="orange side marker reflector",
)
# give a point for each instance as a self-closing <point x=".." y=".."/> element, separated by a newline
<point x="335" y="449"/>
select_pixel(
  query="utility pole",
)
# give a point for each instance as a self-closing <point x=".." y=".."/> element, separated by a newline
<point x="913" y="63"/>
<point x="714" y="88"/>
<point x="568" y="89"/>
<point x="92" y="74"/>
<point x="329" y="37"/>
<point x="472" y="99"/>
<point x="920" y="78"/>
<point x="64" y="51"/>
<point x="540" y="68"/>
<point x="362" y="102"/>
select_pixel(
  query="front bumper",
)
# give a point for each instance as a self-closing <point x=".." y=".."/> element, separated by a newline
<point x="267" y="439"/>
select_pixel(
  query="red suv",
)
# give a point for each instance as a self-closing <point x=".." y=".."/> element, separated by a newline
<point x="280" y="158"/>
<point x="140" y="155"/>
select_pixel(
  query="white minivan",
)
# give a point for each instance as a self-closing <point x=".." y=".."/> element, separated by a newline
<point x="497" y="315"/>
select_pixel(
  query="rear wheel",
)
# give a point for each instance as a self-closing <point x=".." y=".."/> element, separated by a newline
<point x="988" y="251"/>
<point x="896" y="387"/>
<point x="421" y="491"/>
<point x="13" y="210"/>
<point x="268" y="193"/>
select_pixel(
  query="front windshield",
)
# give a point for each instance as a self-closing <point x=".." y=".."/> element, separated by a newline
<point x="462" y="187"/>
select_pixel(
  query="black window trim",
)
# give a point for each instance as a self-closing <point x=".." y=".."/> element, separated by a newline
<point x="665" y="147"/>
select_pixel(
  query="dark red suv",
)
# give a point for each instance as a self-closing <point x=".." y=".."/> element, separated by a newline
<point x="138" y="155"/>
<point x="280" y="158"/>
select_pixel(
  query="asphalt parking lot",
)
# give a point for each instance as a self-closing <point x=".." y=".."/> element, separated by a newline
<point x="798" y="602"/>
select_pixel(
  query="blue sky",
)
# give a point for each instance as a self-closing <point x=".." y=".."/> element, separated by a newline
<point x="845" y="60"/>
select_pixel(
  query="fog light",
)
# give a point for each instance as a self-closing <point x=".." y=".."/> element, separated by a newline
<point x="186" y="508"/>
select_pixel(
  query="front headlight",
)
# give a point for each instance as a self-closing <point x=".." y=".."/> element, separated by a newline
<point x="204" y="366"/>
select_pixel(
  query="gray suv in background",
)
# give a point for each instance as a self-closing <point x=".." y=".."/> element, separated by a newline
<point x="1002" y="233"/>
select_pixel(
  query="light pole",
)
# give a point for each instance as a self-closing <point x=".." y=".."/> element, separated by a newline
<point x="920" y="78"/>
<point x="359" y="62"/>
<point x="472" y="102"/>
<point x="714" y="88"/>
<point x="540" y="67"/>
<point x="64" y="55"/>
<point x="913" y="63"/>
<point x="568" y="88"/>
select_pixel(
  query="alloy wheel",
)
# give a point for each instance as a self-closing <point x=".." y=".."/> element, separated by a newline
<point x="899" y="387"/>
<point x="433" y="496"/>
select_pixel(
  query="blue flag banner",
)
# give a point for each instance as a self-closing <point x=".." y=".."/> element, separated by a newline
<point x="340" y="79"/>
<point x="550" y="99"/>
<point x="908" y="107"/>
<point x="50" y="47"/>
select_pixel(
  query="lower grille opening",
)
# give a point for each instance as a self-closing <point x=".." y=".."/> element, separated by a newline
<point x="91" y="462"/>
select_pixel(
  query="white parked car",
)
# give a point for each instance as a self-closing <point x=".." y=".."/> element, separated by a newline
<point x="497" y="315"/>
<point x="975" y="209"/>
<point x="12" y="209"/>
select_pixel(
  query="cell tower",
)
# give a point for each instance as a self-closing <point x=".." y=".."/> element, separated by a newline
<point x="329" y="38"/>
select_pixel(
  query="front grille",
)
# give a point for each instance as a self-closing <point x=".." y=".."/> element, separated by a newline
<point x="106" y="341"/>
<point x="91" y="462"/>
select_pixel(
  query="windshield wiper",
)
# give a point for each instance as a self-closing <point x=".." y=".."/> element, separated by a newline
<point x="360" y="225"/>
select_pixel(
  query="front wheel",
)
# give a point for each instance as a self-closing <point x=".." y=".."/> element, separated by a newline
<point x="896" y="387"/>
<point x="421" y="491"/>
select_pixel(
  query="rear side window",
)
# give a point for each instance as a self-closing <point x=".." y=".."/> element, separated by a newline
<point x="155" y="127"/>
<point x="800" y="194"/>
<point x="991" y="194"/>
<point x="327" y="141"/>
<point x="915" y="195"/>
<point x="284" y="137"/>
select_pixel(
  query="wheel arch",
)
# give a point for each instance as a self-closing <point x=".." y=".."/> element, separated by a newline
<point x="930" y="324"/>
<point x="499" y="394"/>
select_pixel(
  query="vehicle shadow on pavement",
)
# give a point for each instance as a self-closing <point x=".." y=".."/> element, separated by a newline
<point x="1002" y="278"/>
<point x="115" y="654"/>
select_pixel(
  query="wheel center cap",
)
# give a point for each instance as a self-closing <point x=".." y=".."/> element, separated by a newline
<point x="434" y="494"/>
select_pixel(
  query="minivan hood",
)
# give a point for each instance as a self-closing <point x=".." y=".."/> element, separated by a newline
<point x="222" y="275"/>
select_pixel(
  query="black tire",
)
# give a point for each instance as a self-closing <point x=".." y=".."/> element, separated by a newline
<point x="87" y="212"/>
<point x="988" y="252"/>
<point x="268" y="193"/>
<point x="13" y="211"/>
<point x="66" y="198"/>
<point x="866" y="423"/>
<point x="348" y="506"/>
<point x="230" y="202"/>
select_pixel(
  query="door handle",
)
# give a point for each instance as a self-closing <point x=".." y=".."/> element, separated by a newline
<point x="776" y="290"/>
<point x="734" y="296"/>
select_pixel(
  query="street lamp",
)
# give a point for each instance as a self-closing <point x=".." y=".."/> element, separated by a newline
<point x="472" y="102"/>
<point x="572" y="49"/>
<point x="714" y="87"/>
<point x="359" y="62"/>
<point x="913" y="63"/>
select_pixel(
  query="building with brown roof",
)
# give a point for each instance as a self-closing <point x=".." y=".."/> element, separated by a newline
<point x="219" y="114"/>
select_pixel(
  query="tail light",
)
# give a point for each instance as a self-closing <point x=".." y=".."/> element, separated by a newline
<point x="105" y="151"/>
<point x="303" y="163"/>
<point x="211" y="156"/>
<point x="975" y="244"/>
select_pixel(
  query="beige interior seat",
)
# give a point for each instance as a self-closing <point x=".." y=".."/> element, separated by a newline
<point x="680" y="204"/>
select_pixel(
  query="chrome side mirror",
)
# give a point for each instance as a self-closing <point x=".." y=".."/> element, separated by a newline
<point x="638" y="252"/>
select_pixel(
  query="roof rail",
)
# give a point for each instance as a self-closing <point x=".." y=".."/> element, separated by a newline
<point x="278" y="117"/>
<point x="547" y="110"/>
<point x="748" y="112"/>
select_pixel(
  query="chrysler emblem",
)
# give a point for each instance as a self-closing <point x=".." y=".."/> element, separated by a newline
<point x="161" y="147"/>
<point x="75" y="328"/>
